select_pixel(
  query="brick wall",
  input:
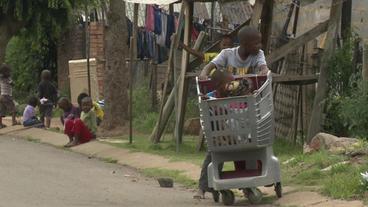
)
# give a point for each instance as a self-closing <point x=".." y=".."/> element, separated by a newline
<point x="97" y="50"/>
<point x="71" y="46"/>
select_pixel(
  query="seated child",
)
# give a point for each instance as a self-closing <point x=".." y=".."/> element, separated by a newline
<point x="95" y="107"/>
<point x="84" y="129"/>
<point x="29" y="114"/>
<point x="70" y="111"/>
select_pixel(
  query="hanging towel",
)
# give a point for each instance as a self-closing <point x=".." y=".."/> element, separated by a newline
<point x="158" y="24"/>
<point x="161" y="39"/>
<point x="150" y="18"/>
<point x="170" y="29"/>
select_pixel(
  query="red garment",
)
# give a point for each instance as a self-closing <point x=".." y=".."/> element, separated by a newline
<point x="75" y="127"/>
<point x="150" y="18"/>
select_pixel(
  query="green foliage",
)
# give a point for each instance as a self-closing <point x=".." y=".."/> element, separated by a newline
<point x="27" y="59"/>
<point x="342" y="82"/>
<point x="354" y="111"/>
<point x="145" y="117"/>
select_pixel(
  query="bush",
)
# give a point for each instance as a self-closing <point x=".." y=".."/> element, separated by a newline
<point x="343" y="84"/>
<point x="353" y="111"/>
<point x="28" y="57"/>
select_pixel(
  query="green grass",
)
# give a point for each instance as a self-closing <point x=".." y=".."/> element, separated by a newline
<point x="176" y="175"/>
<point x="109" y="160"/>
<point x="342" y="181"/>
<point x="31" y="139"/>
<point x="167" y="148"/>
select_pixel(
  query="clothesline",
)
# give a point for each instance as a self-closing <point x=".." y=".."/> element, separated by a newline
<point x="158" y="2"/>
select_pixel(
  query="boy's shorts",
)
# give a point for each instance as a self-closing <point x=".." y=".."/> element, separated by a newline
<point x="7" y="105"/>
<point x="46" y="110"/>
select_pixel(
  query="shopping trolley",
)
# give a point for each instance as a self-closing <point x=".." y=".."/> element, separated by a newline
<point x="241" y="130"/>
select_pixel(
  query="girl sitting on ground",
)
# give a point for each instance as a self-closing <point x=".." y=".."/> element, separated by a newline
<point x="29" y="114"/>
<point x="84" y="129"/>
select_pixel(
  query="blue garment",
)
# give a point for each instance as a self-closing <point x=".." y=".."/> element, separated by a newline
<point x="170" y="29"/>
<point x="158" y="26"/>
<point x="140" y="45"/>
<point x="130" y="29"/>
<point x="150" y="44"/>
<point x="33" y="122"/>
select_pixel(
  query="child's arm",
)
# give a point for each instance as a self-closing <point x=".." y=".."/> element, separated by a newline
<point x="192" y="51"/>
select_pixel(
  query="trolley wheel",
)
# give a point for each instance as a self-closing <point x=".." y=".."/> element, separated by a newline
<point x="254" y="195"/>
<point x="278" y="189"/>
<point x="227" y="197"/>
<point x="216" y="196"/>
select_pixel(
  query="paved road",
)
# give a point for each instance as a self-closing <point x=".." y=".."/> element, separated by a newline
<point x="33" y="174"/>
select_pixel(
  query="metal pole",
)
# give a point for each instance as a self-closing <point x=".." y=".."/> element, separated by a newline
<point x="88" y="49"/>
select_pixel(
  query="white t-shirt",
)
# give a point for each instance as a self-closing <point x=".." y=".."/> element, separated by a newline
<point x="229" y="59"/>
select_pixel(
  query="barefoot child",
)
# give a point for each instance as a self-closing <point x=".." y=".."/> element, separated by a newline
<point x="84" y="129"/>
<point x="6" y="97"/>
<point x="47" y="93"/>
<point x="29" y="114"/>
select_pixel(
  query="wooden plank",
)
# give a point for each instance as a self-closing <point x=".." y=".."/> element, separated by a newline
<point x="297" y="42"/>
<point x="266" y="25"/>
<point x="295" y="79"/>
<point x="182" y="89"/>
<point x="196" y="62"/>
<point x="165" y="115"/>
<point x="317" y="113"/>
<point x="283" y="79"/>
<point x="257" y="13"/>
<point x="170" y="68"/>
<point x="198" y="44"/>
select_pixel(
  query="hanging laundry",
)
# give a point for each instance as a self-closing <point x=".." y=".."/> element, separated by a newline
<point x="130" y="29"/>
<point x="161" y="39"/>
<point x="158" y="24"/>
<point x="170" y="29"/>
<point x="195" y="34"/>
<point x="150" y="18"/>
<point x="150" y="44"/>
<point x="140" y="45"/>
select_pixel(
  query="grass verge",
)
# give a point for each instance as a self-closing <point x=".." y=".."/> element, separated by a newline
<point x="341" y="182"/>
<point x="176" y="175"/>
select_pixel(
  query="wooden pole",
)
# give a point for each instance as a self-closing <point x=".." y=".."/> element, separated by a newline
<point x="182" y="90"/>
<point x="365" y="61"/>
<point x="135" y="29"/>
<point x="132" y="54"/>
<point x="257" y="13"/>
<point x="156" y="134"/>
<point x="213" y="6"/>
<point x="346" y="20"/>
<point x="318" y="106"/>
<point x="88" y="46"/>
<point x="154" y="88"/>
<point x="296" y="17"/>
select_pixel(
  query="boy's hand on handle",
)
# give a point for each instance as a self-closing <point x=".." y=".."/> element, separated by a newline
<point x="264" y="70"/>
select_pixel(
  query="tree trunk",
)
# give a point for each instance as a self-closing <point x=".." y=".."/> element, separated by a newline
<point x="116" y="76"/>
